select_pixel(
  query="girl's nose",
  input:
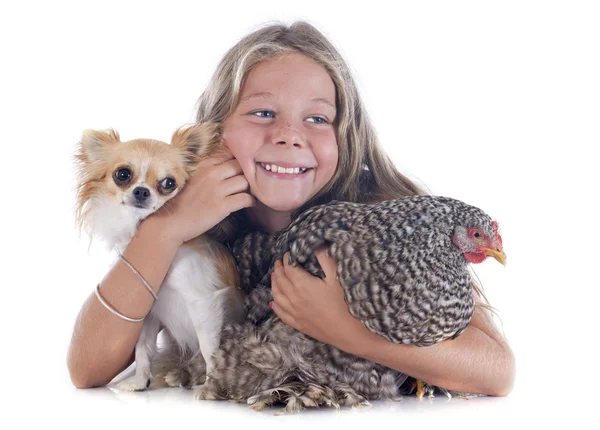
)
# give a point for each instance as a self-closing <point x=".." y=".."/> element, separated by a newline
<point x="288" y="134"/>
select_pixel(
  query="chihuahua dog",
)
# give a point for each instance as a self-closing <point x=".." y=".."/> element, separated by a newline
<point x="119" y="185"/>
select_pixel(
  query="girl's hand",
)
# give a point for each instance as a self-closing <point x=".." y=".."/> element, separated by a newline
<point x="209" y="196"/>
<point x="313" y="306"/>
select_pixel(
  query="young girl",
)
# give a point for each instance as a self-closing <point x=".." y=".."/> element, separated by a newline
<point x="285" y="98"/>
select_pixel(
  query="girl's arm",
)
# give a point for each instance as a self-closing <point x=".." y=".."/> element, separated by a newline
<point x="102" y="344"/>
<point x="478" y="361"/>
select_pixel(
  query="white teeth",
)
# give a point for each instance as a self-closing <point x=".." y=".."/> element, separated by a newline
<point x="279" y="169"/>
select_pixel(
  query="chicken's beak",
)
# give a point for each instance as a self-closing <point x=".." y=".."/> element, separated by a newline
<point x="498" y="255"/>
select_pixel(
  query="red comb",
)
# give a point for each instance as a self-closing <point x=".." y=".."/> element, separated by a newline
<point x="496" y="228"/>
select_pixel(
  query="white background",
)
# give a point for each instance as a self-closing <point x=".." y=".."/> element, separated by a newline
<point x="497" y="104"/>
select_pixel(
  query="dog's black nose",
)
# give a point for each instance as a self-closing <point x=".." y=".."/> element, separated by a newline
<point x="141" y="193"/>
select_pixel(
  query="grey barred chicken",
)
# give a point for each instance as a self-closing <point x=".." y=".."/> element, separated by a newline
<point x="403" y="266"/>
<point x="402" y="263"/>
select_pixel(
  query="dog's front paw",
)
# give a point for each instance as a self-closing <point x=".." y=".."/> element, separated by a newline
<point x="135" y="383"/>
<point x="177" y="378"/>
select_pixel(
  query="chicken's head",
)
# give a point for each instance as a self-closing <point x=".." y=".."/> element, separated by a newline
<point x="479" y="241"/>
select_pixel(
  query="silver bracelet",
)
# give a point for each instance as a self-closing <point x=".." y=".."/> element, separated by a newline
<point x="139" y="276"/>
<point x="115" y="312"/>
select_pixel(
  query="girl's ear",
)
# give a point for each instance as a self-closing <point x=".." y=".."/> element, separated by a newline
<point x="197" y="141"/>
<point x="94" y="144"/>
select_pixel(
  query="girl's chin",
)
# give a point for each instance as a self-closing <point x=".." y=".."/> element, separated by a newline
<point x="281" y="203"/>
<point x="282" y="206"/>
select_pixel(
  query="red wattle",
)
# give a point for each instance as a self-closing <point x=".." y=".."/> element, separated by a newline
<point x="475" y="257"/>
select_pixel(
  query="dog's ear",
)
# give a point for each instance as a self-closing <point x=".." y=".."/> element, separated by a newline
<point x="92" y="151"/>
<point x="94" y="144"/>
<point x="198" y="141"/>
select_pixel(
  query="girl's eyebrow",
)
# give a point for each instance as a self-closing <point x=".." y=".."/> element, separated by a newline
<point x="266" y="95"/>
<point x="322" y="100"/>
<point x="259" y="95"/>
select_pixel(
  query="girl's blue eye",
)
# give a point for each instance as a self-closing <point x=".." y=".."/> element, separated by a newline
<point x="318" y="120"/>
<point x="269" y="113"/>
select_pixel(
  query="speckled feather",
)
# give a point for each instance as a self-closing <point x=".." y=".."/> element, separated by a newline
<point x="402" y="277"/>
<point x="401" y="274"/>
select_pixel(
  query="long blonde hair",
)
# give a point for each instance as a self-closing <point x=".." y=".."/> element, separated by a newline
<point x="364" y="172"/>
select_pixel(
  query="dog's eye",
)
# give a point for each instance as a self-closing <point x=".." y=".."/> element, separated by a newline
<point x="167" y="185"/>
<point x="122" y="176"/>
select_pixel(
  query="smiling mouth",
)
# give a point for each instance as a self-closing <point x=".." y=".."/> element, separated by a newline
<point x="284" y="171"/>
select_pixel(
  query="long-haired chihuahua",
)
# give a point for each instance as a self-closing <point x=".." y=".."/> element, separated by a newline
<point x="119" y="185"/>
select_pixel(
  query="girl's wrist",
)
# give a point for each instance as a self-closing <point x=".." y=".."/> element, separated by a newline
<point x="373" y="347"/>
<point x="362" y="341"/>
<point x="163" y="229"/>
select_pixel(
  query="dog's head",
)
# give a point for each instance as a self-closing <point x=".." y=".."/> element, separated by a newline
<point x="121" y="183"/>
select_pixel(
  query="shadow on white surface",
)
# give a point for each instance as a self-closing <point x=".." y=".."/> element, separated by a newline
<point x="181" y="397"/>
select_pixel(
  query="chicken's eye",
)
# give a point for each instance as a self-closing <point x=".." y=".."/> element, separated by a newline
<point x="477" y="235"/>
<point x="167" y="185"/>
<point x="122" y="176"/>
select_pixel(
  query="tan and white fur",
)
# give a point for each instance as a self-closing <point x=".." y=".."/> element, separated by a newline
<point x="119" y="185"/>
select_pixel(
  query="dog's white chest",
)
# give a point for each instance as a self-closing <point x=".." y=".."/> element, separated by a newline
<point x="188" y="296"/>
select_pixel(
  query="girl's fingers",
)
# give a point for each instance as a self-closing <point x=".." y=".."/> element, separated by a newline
<point x="283" y="315"/>
<point x="297" y="274"/>
<point x="235" y="185"/>
<point x="328" y="265"/>
<point x="229" y="169"/>
<point x="220" y="156"/>
<point x="280" y="298"/>
<point x="283" y="282"/>
<point x="221" y="171"/>
<point x="239" y="201"/>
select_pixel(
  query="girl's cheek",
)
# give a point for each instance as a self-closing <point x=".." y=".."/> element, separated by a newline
<point x="329" y="151"/>
<point x="233" y="138"/>
<point x="231" y="127"/>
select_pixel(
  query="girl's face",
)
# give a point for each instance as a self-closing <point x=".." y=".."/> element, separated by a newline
<point x="285" y="118"/>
